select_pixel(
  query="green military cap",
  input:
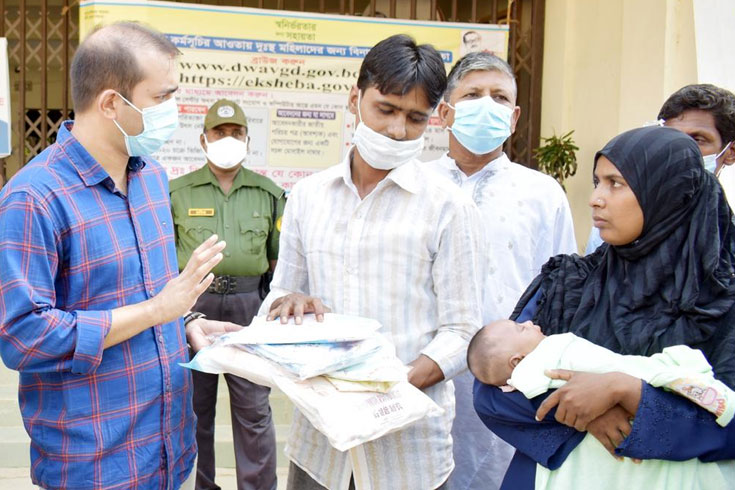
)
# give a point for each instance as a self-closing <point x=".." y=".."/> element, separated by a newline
<point x="223" y="112"/>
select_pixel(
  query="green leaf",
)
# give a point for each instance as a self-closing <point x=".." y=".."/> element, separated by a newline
<point x="557" y="156"/>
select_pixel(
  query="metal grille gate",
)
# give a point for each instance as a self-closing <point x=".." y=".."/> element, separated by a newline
<point x="43" y="34"/>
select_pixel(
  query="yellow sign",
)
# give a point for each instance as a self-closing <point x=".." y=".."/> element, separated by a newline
<point x="201" y="212"/>
<point x="289" y="71"/>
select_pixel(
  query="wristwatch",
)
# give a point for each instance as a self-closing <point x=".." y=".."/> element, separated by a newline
<point x="191" y="316"/>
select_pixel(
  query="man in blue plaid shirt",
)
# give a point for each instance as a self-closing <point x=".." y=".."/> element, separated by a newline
<point x="91" y="302"/>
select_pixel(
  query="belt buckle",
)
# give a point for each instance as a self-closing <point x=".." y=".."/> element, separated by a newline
<point x="224" y="284"/>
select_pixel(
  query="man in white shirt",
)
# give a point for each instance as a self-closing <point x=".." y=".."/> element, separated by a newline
<point x="381" y="237"/>
<point x="526" y="219"/>
<point x="707" y="114"/>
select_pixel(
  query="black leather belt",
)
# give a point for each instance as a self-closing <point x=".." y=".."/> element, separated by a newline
<point x="234" y="284"/>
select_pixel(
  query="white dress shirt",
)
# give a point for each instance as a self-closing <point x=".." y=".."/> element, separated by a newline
<point x="407" y="255"/>
<point x="526" y="220"/>
<point x="727" y="181"/>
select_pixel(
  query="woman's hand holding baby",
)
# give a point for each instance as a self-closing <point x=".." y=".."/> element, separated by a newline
<point x="581" y="400"/>
<point x="601" y="404"/>
<point x="586" y="396"/>
<point x="611" y="428"/>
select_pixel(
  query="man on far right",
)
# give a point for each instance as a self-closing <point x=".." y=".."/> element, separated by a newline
<point x="707" y="114"/>
<point x="526" y="220"/>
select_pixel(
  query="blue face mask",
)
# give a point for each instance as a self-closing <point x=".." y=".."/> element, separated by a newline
<point x="159" y="123"/>
<point x="481" y="125"/>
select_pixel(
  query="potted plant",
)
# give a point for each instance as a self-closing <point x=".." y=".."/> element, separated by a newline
<point x="557" y="157"/>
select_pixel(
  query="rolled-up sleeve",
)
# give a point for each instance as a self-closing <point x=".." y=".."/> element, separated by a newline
<point x="458" y="275"/>
<point x="35" y="336"/>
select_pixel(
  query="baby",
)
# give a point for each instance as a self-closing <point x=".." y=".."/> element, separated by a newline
<point x="499" y="347"/>
<point x="514" y="355"/>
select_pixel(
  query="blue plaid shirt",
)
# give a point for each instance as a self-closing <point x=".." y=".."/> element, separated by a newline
<point x="72" y="248"/>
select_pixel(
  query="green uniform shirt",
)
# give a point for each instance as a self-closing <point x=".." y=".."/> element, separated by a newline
<point x="244" y="218"/>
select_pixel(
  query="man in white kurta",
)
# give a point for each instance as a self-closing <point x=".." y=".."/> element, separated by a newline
<point x="379" y="236"/>
<point x="525" y="219"/>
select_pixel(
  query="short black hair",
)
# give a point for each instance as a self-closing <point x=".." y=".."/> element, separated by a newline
<point x="396" y="65"/>
<point x="704" y="97"/>
<point x="472" y="347"/>
<point x="482" y="357"/>
<point x="107" y="59"/>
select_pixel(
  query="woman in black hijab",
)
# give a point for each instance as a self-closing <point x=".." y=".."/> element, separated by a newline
<point x="665" y="277"/>
<point x="672" y="283"/>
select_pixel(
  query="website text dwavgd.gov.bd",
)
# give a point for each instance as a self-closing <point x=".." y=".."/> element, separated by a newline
<point x="242" y="75"/>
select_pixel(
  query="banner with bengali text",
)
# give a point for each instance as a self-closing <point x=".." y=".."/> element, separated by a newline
<point x="291" y="73"/>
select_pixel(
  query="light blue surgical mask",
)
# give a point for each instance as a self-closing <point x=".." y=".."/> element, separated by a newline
<point x="159" y="123"/>
<point x="481" y="125"/>
<point x="710" y="161"/>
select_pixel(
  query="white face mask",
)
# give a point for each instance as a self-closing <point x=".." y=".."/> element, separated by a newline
<point x="710" y="161"/>
<point x="227" y="152"/>
<point x="382" y="152"/>
<point x="657" y="122"/>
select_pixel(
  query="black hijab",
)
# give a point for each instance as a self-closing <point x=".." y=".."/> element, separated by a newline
<point x="675" y="284"/>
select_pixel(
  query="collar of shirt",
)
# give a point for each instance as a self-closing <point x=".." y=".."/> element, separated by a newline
<point x="205" y="176"/>
<point x="405" y="176"/>
<point x="500" y="163"/>
<point x="91" y="172"/>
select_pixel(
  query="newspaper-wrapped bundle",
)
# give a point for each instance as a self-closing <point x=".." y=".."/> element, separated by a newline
<point x="341" y="374"/>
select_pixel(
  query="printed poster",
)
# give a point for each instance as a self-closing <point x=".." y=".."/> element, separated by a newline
<point x="291" y="73"/>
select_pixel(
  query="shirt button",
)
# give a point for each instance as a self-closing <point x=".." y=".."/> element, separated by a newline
<point x="351" y="270"/>
<point x="227" y="227"/>
<point x="160" y="338"/>
<point x="227" y="254"/>
<point x="152" y="292"/>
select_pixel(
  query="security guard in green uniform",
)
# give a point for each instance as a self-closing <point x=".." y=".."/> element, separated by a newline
<point x="244" y="208"/>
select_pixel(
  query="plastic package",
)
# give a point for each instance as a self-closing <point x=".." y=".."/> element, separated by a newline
<point x="361" y="398"/>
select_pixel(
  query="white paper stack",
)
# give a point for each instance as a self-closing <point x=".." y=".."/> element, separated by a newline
<point x="341" y="374"/>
